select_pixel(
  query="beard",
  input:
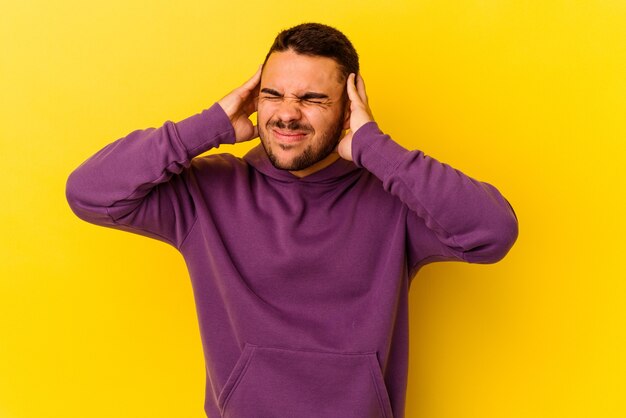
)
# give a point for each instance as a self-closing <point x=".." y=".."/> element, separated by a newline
<point x="312" y="154"/>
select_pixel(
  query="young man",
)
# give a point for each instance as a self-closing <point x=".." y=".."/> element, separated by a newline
<point x="301" y="253"/>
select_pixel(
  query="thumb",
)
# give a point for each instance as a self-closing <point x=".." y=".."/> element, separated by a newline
<point x="353" y="94"/>
<point x="247" y="134"/>
<point x="344" y="147"/>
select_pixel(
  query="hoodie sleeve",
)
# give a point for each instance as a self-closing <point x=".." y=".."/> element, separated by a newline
<point x="451" y="215"/>
<point x="139" y="183"/>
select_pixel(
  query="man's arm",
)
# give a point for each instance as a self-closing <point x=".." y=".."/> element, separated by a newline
<point x="135" y="183"/>
<point x="453" y="216"/>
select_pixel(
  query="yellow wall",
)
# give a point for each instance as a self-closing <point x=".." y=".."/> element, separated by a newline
<point x="527" y="95"/>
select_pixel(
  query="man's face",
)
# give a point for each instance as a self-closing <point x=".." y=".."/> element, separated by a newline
<point x="301" y="111"/>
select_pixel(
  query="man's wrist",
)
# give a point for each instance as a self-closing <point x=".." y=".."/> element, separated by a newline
<point x="376" y="151"/>
<point x="205" y="130"/>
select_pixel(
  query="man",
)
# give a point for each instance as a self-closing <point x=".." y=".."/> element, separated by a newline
<point x="301" y="253"/>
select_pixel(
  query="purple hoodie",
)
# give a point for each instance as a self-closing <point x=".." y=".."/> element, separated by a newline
<point x="300" y="284"/>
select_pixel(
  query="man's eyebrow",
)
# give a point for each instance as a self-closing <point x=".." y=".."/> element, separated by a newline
<point x="312" y="95"/>
<point x="306" y="96"/>
<point x="270" y="91"/>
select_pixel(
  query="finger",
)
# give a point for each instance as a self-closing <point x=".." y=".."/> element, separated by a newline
<point x="344" y="147"/>
<point x="250" y="100"/>
<point x="360" y="86"/>
<point x="352" y="91"/>
<point x="247" y="137"/>
<point x="346" y="137"/>
<point x="249" y="106"/>
<point x="254" y="80"/>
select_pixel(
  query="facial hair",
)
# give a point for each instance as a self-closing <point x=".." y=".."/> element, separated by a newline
<point x="309" y="156"/>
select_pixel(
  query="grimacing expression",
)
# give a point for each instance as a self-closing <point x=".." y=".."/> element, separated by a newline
<point x="301" y="109"/>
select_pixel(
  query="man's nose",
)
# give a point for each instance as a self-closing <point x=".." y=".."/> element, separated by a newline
<point x="289" y="110"/>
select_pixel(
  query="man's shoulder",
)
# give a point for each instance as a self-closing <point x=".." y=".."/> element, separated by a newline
<point x="219" y="166"/>
<point x="223" y="160"/>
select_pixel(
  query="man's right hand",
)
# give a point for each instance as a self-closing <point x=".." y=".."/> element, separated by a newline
<point x="240" y="104"/>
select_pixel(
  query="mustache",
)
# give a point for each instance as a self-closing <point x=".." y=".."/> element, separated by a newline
<point x="293" y="125"/>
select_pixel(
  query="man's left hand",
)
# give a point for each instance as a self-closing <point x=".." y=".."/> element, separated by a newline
<point x="360" y="113"/>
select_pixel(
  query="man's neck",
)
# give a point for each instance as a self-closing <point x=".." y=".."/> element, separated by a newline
<point x="331" y="158"/>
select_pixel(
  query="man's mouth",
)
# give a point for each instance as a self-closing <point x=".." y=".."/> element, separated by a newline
<point x="289" y="136"/>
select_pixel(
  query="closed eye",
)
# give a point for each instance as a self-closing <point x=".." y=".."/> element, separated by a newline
<point x="316" y="98"/>
<point x="272" y="98"/>
<point x="307" y="98"/>
<point x="312" y="101"/>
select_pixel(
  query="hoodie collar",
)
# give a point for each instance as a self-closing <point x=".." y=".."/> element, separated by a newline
<point x="257" y="158"/>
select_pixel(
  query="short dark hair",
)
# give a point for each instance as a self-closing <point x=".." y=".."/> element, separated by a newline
<point x="316" y="39"/>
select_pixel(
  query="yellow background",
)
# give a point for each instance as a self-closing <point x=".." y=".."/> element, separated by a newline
<point x="527" y="95"/>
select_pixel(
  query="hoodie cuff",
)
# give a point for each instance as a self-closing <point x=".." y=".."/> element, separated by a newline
<point x="205" y="130"/>
<point x="376" y="151"/>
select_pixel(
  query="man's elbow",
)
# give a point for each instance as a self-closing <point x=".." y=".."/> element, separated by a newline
<point x="76" y="194"/>
<point x="496" y="242"/>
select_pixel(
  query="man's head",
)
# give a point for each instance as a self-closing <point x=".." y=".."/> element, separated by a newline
<point x="315" y="39"/>
<point x="303" y="106"/>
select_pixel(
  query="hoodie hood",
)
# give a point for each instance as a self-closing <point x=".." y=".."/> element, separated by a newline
<point x="340" y="169"/>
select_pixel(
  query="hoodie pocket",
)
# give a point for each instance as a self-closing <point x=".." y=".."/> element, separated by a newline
<point x="269" y="382"/>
